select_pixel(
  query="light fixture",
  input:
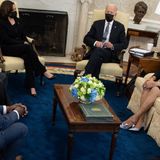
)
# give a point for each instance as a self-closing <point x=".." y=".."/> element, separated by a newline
<point x="157" y="11"/>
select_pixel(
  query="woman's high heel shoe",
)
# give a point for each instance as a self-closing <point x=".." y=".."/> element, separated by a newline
<point x="135" y="129"/>
<point x="49" y="76"/>
<point x="33" y="92"/>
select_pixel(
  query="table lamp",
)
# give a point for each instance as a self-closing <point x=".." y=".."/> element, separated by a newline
<point x="157" y="11"/>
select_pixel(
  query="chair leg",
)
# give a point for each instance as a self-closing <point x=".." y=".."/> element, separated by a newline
<point x="118" y="85"/>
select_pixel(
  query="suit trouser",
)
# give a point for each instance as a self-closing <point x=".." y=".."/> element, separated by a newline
<point x="4" y="100"/>
<point x="97" y="57"/>
<point x="32" y="64"/>
<point x="11" y="140"/>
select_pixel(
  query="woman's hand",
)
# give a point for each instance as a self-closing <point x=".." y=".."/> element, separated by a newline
<point x="150" y="83"/>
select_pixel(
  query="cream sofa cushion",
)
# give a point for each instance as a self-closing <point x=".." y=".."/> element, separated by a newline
<point x="157" y="105"/>
<point x="154" y="128"/>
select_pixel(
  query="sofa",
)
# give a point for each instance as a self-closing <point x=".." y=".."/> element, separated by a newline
<point x="152" y="117"/>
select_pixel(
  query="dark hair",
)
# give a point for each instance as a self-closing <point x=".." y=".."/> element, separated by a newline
<point x="5" y="8"/>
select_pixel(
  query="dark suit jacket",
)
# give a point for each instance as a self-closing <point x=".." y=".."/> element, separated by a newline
<point x="157" y="75"/>
<point x="11" y="34"/>
<point x="7" y="119"/>
<point x="117" y="35"/>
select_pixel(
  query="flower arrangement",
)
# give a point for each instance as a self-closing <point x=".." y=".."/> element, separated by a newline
<point x="87" y="89"/>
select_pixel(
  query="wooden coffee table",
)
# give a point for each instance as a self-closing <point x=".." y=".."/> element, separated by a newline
<point x="75" y="119"/>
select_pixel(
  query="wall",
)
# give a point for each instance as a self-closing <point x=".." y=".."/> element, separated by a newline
<point x="128" y="6"/>
<point x="70" y="6"/>
<point x="73" y="9"/>
<point x="151" y="19"/>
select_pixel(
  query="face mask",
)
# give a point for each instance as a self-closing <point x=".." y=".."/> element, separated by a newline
<point x="109" y="17"/>
<point x="13" y="14"/>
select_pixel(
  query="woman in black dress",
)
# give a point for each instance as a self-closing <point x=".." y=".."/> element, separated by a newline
<point x="14" y="43"/>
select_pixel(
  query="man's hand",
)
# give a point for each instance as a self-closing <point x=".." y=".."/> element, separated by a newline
<point x="99" y="44"/>
<point x="20" y="108"/>
<point x="107" y="45"/>
<point x="12" y="107"/>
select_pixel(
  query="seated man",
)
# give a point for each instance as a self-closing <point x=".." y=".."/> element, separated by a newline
<point x="105" y="38"/>
<point x="11" y="132"/>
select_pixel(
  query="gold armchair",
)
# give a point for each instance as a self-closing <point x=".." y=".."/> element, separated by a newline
<point x="113" y="70"/>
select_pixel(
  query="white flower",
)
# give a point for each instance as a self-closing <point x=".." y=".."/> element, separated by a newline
<point x="87" y="88"/>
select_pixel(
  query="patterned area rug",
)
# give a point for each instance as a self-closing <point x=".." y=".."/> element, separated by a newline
<point x="61" y="70"/>
<point x="69" y="68"/>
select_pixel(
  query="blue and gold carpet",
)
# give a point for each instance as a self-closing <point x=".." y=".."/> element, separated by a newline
<point x="47" y="142"/>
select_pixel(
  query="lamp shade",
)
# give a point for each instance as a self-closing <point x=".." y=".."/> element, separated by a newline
<point x="157" y="11"/>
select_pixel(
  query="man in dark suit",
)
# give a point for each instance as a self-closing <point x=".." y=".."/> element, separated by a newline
<point x="105" y="38"/>
<point x="11" y="132"/>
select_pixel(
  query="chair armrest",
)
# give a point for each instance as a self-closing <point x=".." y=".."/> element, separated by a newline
<point x="30" y="40"/>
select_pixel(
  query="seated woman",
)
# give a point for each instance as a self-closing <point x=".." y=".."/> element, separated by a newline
<point x="151" y="90"/>
<point x="14" y="43"/>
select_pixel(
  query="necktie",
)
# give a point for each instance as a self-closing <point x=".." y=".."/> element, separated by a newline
<point x="105" y="33"/>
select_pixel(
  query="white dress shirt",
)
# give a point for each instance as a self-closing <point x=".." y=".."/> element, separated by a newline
<point x="5" y="111"/>
<point x="109" y="31"/>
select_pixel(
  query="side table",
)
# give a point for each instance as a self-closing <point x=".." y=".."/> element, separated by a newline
<point x="75" y="120"/>
<point x="148" y="64"/>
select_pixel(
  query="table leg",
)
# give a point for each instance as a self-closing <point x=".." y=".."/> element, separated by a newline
<point x="70" y="145"/>
<point x="113" y="141"/>
<point x="54" y="110"/>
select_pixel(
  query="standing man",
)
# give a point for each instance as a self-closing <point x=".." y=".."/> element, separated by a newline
<point x="105" y="38"/>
